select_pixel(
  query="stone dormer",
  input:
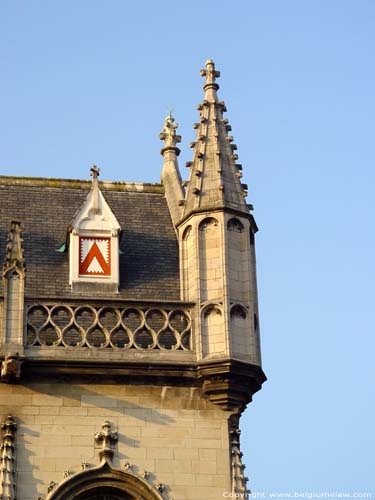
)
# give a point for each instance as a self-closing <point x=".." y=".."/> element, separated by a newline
<point x="94" y="244"/>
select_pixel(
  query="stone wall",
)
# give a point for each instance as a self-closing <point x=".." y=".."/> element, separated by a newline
<point x="178" y="437"/>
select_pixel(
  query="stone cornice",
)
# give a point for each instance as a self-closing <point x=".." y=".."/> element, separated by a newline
<point x="227" y="383"/>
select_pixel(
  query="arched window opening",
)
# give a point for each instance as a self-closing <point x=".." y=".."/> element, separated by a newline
<point x="106" y="493"/>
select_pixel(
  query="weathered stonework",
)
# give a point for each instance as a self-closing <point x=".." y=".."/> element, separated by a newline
<point x="172" y="432"/>
<point x="131" y="350"/>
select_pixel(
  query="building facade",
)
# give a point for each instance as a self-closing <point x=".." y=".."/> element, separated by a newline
<point x="129" y="327"/>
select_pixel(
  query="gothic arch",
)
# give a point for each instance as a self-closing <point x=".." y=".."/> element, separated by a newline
<point x="104" y="483"/>
<point x="235" y="225"/>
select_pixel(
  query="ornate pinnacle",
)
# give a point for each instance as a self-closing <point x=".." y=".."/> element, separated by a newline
<point x="107" y="438"/>
<point x="239" y="480"/>
<point x="7" y="452"/>
<point x="211" y="74"/>
<point x="14" y="260"/>
<point x="168" y="134"/>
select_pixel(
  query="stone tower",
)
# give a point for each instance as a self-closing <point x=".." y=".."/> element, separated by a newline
<point x="129" y="327"/>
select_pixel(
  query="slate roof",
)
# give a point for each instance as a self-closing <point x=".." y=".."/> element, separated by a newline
<point x="149" y="265"/>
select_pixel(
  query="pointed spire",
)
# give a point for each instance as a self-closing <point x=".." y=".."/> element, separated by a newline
<point x="14" y="260"/>
<point x="7" y="460"/>
<point x="214" y="180"/>
<point x="170" y="176"/>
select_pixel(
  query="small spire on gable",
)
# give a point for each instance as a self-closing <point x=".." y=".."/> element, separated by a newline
<point x="95" y="213"/>
<point x="14" y="259"/>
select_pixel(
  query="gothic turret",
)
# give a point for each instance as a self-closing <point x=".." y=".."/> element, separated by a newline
<point x="217" y="254"/>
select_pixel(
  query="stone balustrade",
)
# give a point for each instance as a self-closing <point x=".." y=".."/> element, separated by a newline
<point x="117" y="327"/>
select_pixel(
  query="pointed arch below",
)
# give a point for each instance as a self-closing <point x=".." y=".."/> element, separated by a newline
<point x="106" y="481"/>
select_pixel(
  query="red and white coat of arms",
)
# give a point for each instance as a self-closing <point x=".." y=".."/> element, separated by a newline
<point x="94" y="256"/>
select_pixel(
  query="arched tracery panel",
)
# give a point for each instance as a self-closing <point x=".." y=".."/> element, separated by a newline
<point x="213" y="333"/>
<point x="210" y="259"/>
<point x="238" y="261"/>
<point x="188" y="259"/>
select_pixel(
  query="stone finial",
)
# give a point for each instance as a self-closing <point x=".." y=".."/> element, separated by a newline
<point x="7" y="459"/>
<point x="170" y="175"/>
<point x="14" y="261"/>
<point x="11" y="368"/>
<point x="94" y="172"/>
<point x="211" y="74"/>
<point x="107" y="438"/>
<point x="168" y="134"/>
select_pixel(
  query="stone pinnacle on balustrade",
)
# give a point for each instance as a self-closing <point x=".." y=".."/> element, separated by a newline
<point x="14" y="260"/>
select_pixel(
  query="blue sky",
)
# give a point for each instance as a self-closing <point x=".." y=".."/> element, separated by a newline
<point x="88" y="82"/>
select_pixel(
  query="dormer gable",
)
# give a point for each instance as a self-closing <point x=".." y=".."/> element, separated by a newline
<point x="94" y="244"/>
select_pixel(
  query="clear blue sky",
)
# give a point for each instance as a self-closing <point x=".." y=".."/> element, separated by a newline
<point x="86" y="82"/>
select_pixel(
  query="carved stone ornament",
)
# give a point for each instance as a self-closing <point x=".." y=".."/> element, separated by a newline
<point x="107" y="438"/>
<point x="88" y="479"/>
<point x="7" y="460"/>
<point x="168" y="134"/>
<point x="11" y="368"/>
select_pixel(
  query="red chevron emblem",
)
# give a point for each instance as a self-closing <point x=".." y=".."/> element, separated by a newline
<point x="94" y="256"/>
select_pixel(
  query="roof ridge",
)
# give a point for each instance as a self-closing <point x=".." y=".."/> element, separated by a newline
<point x="51" y="182"/>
